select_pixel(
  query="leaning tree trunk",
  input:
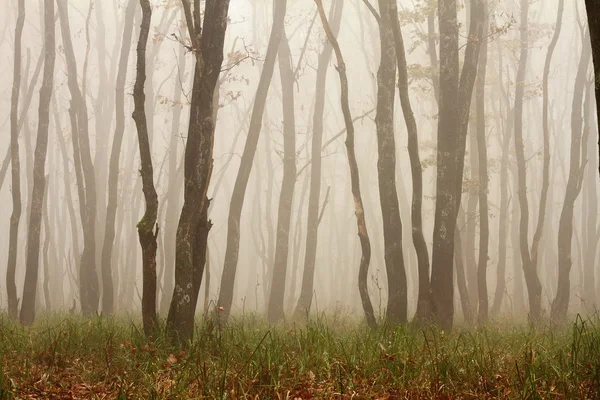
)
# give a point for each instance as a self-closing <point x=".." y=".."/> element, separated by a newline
<point x="312" y="224"/>
<point x="275" y="310"/>
<point x="115" y="155"/>
<point x="532" y="280"/>
<point x="89" y="290"/>
<point x="11" y="267"/>
<point x="484" y="223"/>
<point x="241" y="182"/>
<point x="192" y="232"/>
<point x="359" y="209"/>
<point x="397" y="306"/>
<point x="39" y="180"/>
<point x="147" y="227"/>
<point x="454" y="106"/>
<point x="424" y="301"/>
<point x="560" y="305"/>
<point x="593" y="13"/>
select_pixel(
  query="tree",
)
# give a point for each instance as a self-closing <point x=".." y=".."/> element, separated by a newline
<point x="454" y="106"/>
<point x="359" y="209"/>
<point x="86" y="180"/>
<point x="39" y="179"/>
<point x="241" y="182"/>
<point x="593" y="13"/>
<point x="11" y="267"/>
<point x="115" y="155"/>
<point x="147" y="227"/>
<point x="192" y="232"/>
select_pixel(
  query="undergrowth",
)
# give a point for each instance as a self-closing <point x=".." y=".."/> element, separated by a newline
<point x="69" y="357"/>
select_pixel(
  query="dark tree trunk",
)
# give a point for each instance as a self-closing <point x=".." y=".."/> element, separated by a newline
<point x="275" y="310"/>
<point x="312" y="225"/>
<point x="89" y="290"/>
<point x="560" y="305"/>
<point x="147" y="227"/>
<point x="192" y="232"/>
<point x="27" y="313"/>
<point x="113" y="174"/>
<point x="239" y="190"/>
<point x="397" y="306"/>
<point x="363" y="235"/>
<point x="455" y="101"/>
<point x="15" y="217"/>
<point x="593" y="13"/>
<point x="424" y="300"/>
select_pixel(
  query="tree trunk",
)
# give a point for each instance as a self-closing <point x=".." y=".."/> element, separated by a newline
<point x="276" y="300"/>
<point x="192" y="232"/>
<point x="363" y="235"/>
<point x="39" y="182"/>
<point x="89" y="290"/>
<point x="593" y="13"/>
<point x="239" y="190"/>
<point x="15" y="217"/>
<point x="397" y="306"/>
<point x="113" y="174"/>
<point x="560" y="305"/>
<point x="312" y="224"/>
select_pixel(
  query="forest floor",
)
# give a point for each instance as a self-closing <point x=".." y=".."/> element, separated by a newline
<point x="70" y="357"/>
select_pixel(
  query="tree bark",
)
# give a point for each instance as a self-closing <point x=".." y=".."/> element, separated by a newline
<point x="27" y="313"/>
<point x="239" y="190"/>
<point x="15" y="217"/>
<point x="275" y="310"/>
<point x="593" y="13"/>
<point x="192" y="232"/>
<point x="312" y="224"/>
<point x="359" y="210"/>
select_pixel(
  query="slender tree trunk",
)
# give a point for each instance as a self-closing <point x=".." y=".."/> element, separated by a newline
<point x="89" y="290"/>
<point x="27" y="313"/>
<point x="359" y="210"/>
<point x="560" y="305"/>
<point x="15" y="217"/>
<point x="192" y="232"/>
<point x="397" y="307"/>
<point x="147" y="227"/>
<point x="312" y="224"/>
<point x="113" y="174"/>
<point x="239" y="190"/>
<point x="484" y="224"/>
<point x="275" y="311"/>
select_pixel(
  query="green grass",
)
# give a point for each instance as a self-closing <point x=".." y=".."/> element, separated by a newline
<point x="65" y="356"/>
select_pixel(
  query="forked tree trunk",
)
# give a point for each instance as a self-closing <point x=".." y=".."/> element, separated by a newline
<point x="147" y="227"/>
<point x="115" y="155"/>
<point x="86" y="182"/>
<point x="241" y="182"/>
<point x="359" y="210"/>
<point x="192" y="232"/>
<point x="397" y="306"/>
<point x="560" y="305"/>
<point x="275" y="310"/>
<point x="15" y="217"/>
<point x="27" y="313"/>
<point x="312" y="225"/>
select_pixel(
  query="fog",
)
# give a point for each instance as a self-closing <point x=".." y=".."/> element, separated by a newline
<point x="168" y="88"/>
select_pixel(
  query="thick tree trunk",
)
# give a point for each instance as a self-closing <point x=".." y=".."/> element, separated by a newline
<point x="115" y="155"/>
<point x="397" y="306"/>
<point x="147" y="227"/>
<point x="312" y="224"/>
<point x="192" y="232"/>
<point x="560" y="305"/>
<point x="239" y="190"/>
<point x="89" y="290"/>
<point x="15" y="217"/>
<point x="455" y="101"/>
<point x="275" y="310"/>
<point x="593" y="13"/>
<point x="27" y="313"/>
<point x="359" y="210"/>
